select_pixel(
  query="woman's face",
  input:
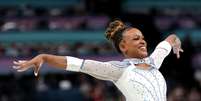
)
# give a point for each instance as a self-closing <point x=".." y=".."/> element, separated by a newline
<point x="133" y="44"/>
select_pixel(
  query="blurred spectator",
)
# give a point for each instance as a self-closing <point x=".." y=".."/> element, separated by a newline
<point x="27" y="11"/>
<point x="85" y="87"/>
<point x="56" y="24"/>
<point x="12" y="51"/>
<point x="63" y="49"/>
<point x="41" y="86"/>
<point x="27" y="24"/>
<point x="197" y="76"/>
<point x="194" y="95"/>
<point x="2" y="50"/>
<point x="97" y="93"/>
<point x="55" y="12"/>
<point x="65" y="85"/>
<point x="164" y="23"/>
<point x="186" y="23"/>
<point x="97" y="23"/>
<point x="9" y="26"/>
<point x="178" y="94"/>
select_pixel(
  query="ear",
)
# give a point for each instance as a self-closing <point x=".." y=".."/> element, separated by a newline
<point x="122" y="46"/>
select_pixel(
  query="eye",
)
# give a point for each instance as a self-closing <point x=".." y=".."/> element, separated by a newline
<point x="136" y="38"/>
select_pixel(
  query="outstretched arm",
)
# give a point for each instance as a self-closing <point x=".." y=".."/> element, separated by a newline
<point x="101" y="70"/>
<point x="164" y="48"/>
<point x="36" y="63"/>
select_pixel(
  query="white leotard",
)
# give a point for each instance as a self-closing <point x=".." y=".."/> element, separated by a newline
<point x="136" y="84"/>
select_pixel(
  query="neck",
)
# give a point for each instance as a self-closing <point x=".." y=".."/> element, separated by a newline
<point x="143" y="66"/>
<point x="142" y="63"/>
<point x="130" y="57"/>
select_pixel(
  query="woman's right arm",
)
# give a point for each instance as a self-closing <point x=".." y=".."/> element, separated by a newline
<point x="100" y="70"/>
<point x="36" y="62"/>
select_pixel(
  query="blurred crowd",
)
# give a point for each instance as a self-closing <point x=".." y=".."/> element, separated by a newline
<point x="180" y="93"/>
<point x="75" y="87"/>
<point x="15" y="50"/>
<point x="183" y="80"/>
<point x="60" y="87"/>
<point x="84" y="17"/>
<point x="28" y="18"/>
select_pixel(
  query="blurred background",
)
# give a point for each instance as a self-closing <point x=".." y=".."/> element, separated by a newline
<point x="76" y="28"/>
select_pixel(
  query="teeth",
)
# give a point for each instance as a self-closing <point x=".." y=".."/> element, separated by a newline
<point x="143" y="47"/>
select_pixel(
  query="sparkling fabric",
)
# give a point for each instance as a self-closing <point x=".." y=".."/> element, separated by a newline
<point x="135" y="83"/>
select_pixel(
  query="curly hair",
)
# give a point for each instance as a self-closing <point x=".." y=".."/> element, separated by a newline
<point x="114" y="33"/>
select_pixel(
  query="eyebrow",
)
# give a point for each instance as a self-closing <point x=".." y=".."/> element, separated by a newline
<point x="138" y="35"/>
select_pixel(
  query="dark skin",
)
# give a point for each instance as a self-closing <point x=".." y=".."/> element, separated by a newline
<point x="132" y="45"/>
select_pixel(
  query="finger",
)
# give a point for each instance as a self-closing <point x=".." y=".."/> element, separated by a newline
<point x="26" y="64"/>
<point x="181" y="50"/>
<point x="20" y="70"/>
<point x="16" y="63"/>
<point x="19" y="64"/>
<point x="178" y="55"/>
<point x="22" y="61"/>
<point x="24" y="68"/>
<point x="16" y="67"/>
<point x="36" y="70"/>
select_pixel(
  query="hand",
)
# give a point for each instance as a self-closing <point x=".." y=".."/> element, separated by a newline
<point x="177" y="47"/>
<point x="23" y="65"/>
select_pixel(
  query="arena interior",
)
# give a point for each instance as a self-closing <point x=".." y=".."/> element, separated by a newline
<point x="76" y="28"/>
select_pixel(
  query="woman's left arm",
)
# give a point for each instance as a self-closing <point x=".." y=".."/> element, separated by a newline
<point x="164" y="48"/>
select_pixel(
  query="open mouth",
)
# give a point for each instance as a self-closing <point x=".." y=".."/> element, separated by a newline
<point x="142" y="48"/>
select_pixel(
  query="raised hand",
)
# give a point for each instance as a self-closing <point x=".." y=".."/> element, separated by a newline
<point x="177" y="47"/>
<point x="175" y="43"/>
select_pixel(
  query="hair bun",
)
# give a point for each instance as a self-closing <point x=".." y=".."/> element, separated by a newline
<point x="114" y="27"/>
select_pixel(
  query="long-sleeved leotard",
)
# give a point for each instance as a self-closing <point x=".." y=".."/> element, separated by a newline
<point x="136" y="84"/>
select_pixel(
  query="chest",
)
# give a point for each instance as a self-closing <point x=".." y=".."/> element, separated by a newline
<point x="144" y="84"/>
<point x="147" y="77"/>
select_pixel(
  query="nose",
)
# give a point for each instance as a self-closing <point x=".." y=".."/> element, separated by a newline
<point x="142" y="41"/>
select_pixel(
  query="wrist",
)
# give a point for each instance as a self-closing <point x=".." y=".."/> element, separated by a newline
<point x="172" y="39"/>
<point x="42" y="56"/>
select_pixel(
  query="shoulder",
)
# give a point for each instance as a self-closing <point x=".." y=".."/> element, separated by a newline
<point x="149" y="60"/>
<point x="119" y="64"/>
